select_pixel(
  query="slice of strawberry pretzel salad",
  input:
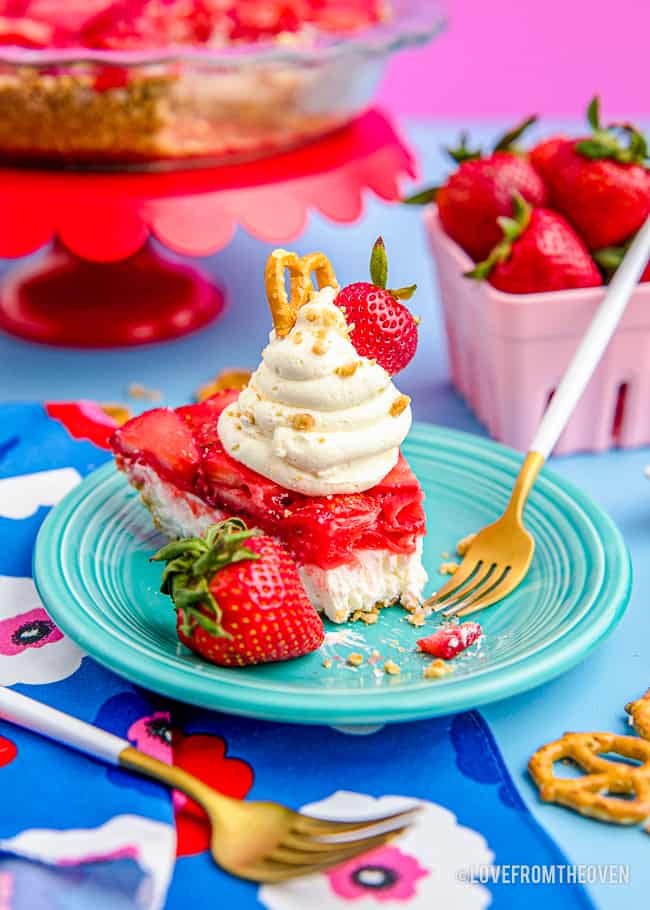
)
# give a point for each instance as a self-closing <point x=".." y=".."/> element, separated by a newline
<point x="309" y="451"/>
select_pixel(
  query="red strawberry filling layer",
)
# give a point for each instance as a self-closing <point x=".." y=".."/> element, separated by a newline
<point x="183" y="447"/>
<point x="134" y="24"/>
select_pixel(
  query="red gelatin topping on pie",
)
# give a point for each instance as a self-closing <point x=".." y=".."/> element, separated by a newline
<point x="183" y="447"/>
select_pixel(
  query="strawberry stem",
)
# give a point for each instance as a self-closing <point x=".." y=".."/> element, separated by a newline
<point x="379" y="264"/>
<point x="403" y="293"/>
<point x="608" y="258"/>
<point x="605" y="142"/>
<point x="192" y="563"/>
<point x="462" y="151"/>
<point x="512" y="229"/>
<point x="507" y="142"/>
<point x="422" y="198"/>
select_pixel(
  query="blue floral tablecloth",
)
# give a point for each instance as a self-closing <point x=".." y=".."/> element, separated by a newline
<point x="76" y="834"/>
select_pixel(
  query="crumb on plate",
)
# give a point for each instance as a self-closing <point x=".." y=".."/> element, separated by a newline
<point x="417" y="618"/>
<point x="392" y="668"/>
<point x="463" y="545"/>
<point x="355" y="659"/>
<point x="448" y="568"/>
<point x="437" y="669"/>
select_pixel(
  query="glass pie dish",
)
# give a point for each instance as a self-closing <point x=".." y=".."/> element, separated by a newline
<point x="194" y="105"/>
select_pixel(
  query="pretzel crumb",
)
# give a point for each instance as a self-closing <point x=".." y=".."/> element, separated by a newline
<point x="392" y="668"/>
<point x="348" y="369"/>
<point x="303" y="422"/>
<point x="311" y="315"/>
<point x="463" y="545"/>
<point x="327" y="663"/>
<point x="417" y="618"/>
<point x="319" y="348"/>
<point x="437" y="669"/>
<point x="142" y="393"/>
<point x="297" y="338"/>
<point x="328" y="318"/>
<point x="369" y="618"/>
<point x="355" y="659"/>
<point x="399" y="405"/>
<point x="226" y="379"/>
<point x="448" y="568"/>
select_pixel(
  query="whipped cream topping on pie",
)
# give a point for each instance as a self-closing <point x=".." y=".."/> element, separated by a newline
<point x="316" y="417"/>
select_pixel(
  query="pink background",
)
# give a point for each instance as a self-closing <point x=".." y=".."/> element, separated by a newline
<point x="511" y="57"/>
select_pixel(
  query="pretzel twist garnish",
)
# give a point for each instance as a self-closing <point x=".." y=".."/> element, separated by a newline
<point x="639" y="711"/>
<point x="593" y="793"/>
<point x="284" y="308"/>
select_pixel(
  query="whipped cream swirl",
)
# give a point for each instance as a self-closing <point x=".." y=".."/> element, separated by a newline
<point x="316" y="417"/>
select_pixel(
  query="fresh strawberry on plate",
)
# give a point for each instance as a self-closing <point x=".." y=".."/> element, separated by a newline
<point x="238" y="597"/>
<point x="481" y="190"/>
<point x="382" y="327"/>
<point x="451" y="641"/>
<point x="539" y="252"/>
<point x="600" y="183"/>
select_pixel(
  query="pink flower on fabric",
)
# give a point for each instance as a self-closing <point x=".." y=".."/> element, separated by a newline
<point x="33" y="629"/>
<point x="385" y="874"/>
<point x="32" y="649"/>
<point x="152" y="735"/>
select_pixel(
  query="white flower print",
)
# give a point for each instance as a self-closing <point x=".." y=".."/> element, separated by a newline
<point x="32" y="649"/>
<point x="23" y="495"/>
<point x="420" y="870"/>
<point x="151" y="844"/>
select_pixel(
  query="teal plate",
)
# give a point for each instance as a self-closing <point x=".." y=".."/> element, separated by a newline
<point x="92" y="571"/>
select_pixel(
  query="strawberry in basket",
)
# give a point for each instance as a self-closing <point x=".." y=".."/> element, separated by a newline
<point x="481" y="189"/>
<point x="539" y="251"/>
<point x="600" y="182"/>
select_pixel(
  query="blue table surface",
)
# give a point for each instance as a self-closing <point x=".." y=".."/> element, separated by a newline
<point x="590" y="697"/>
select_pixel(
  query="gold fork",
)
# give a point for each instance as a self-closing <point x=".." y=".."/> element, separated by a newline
<point x="499" y="556"/>
<point x="260" y="841"/>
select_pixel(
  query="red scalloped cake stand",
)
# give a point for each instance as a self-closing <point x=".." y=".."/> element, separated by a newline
<point x="101" y="283"/>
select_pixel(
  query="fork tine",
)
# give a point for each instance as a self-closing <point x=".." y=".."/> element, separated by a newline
<point x="467" y="568"/>
<point x="492" y="596"/>
<point x="485" y="583"/>
<point x="451" y="605"/>
<point x="270" y="871"/>
<point x="314" y="852"/>
<point x="312" y="845"/>
<point x="321" y="827"/>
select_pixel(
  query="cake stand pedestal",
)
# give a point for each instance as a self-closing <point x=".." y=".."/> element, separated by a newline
<point x="101" y="282"/>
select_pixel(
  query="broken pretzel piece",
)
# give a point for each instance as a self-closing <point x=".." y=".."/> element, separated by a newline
<point x="609" y="790"/>
<point x="639" y="712"/>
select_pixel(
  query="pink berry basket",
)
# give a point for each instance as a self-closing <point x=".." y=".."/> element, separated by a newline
<point x="508" y="353"/>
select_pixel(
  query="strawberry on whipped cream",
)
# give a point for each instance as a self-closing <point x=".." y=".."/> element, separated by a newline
<point x="316" y="417"/>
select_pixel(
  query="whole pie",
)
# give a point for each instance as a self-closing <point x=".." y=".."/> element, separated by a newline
<point x="83" y="110"/>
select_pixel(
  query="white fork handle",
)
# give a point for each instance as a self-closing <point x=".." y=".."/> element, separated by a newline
<point x="39" y="718"/>
<point x="593" y="345"/>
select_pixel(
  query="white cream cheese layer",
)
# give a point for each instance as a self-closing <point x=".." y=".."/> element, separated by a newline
<point x="316" y="417"/>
